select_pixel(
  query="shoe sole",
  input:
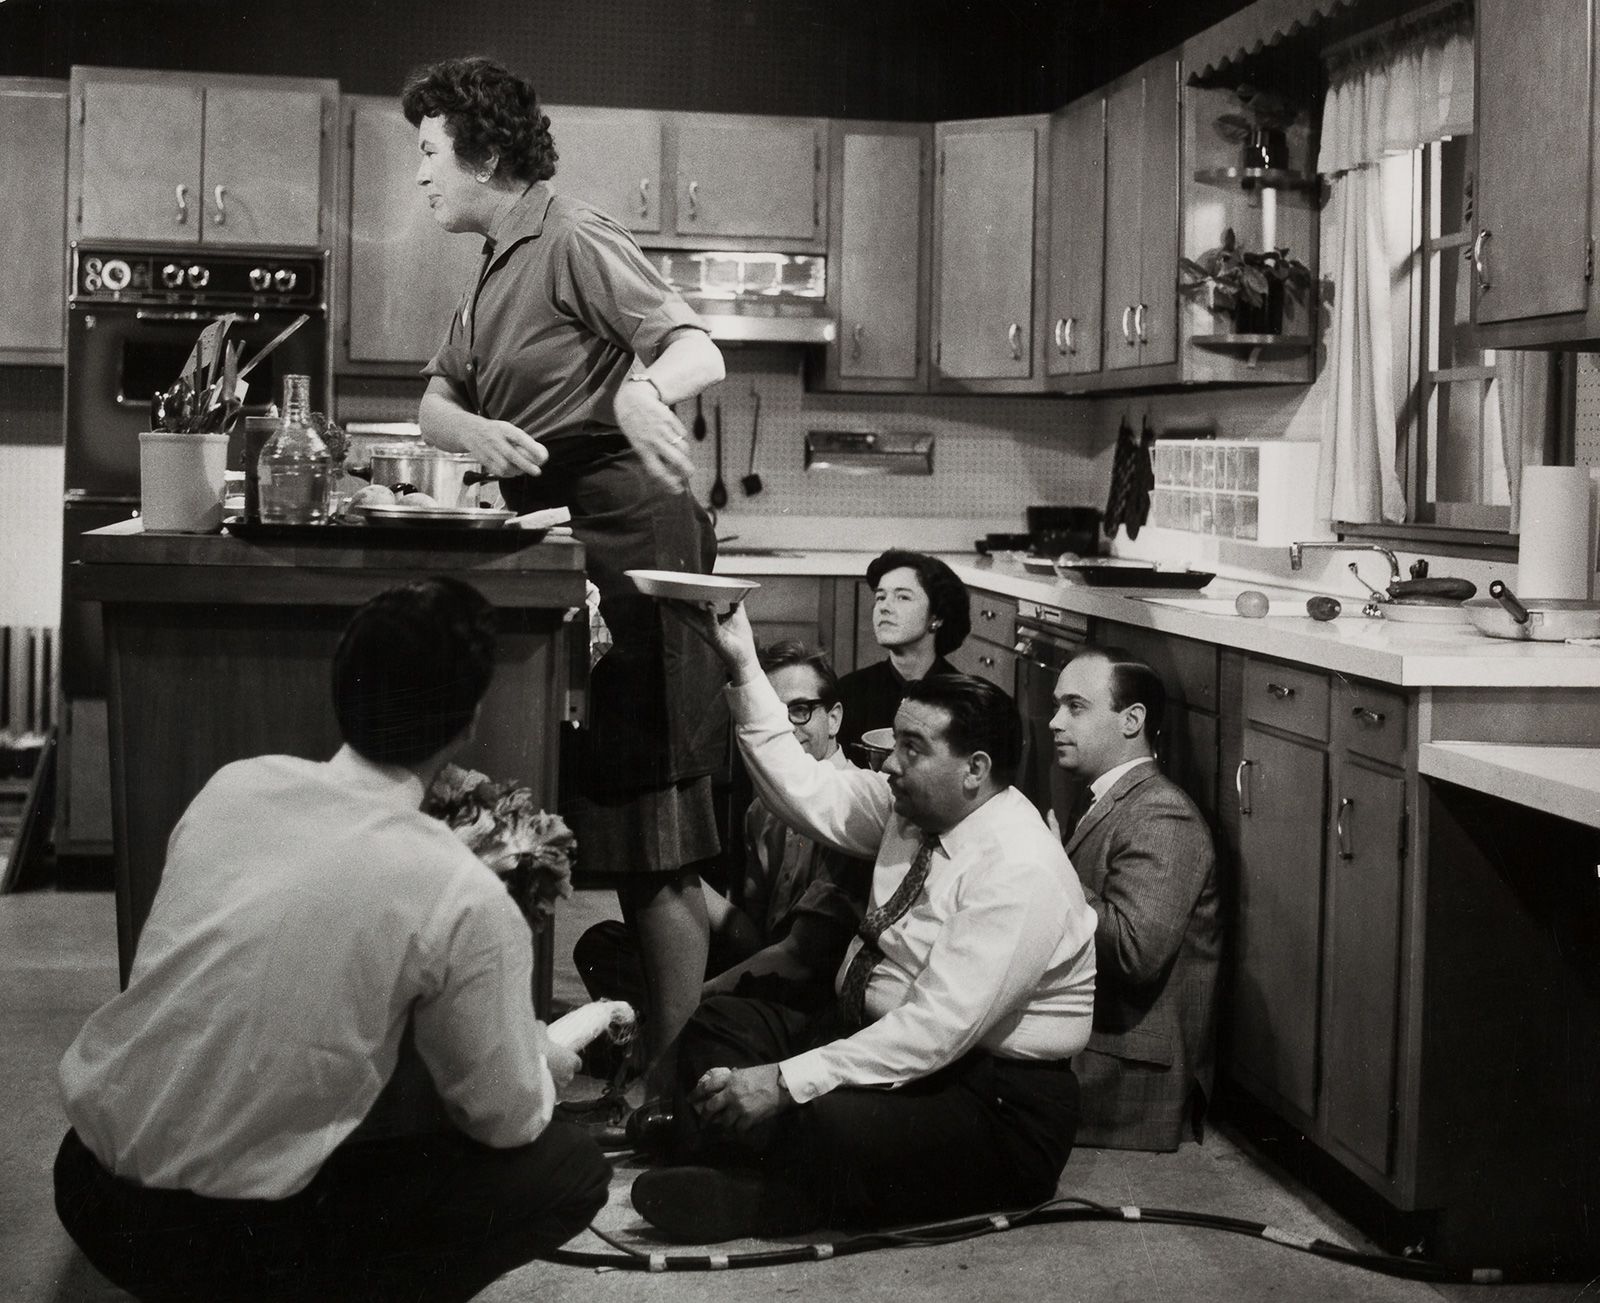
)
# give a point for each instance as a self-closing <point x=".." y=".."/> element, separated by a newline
<point x="704" y="1205"/>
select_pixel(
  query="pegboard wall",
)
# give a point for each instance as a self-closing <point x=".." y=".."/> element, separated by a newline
<point x="1586" y="412"/>
<point x="992" y="456"/>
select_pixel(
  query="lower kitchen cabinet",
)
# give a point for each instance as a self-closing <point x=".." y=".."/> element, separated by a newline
<point x="989" y="651"/>
<point x="802" y="608"/>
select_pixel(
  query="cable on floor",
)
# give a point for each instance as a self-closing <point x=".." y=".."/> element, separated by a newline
<point x="1051" y="1212"/>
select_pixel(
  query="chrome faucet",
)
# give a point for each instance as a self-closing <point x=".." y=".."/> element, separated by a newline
<point x="1295" y="558"/>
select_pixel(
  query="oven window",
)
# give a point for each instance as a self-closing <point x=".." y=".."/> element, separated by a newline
<point x="152" y="365"/>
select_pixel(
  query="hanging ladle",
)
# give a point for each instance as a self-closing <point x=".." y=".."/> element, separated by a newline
<point x="719" y="490"/>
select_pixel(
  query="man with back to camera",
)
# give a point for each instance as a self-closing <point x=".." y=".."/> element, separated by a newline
<point x="309" y="918"/>
<point x="966" y="992"/>
<point x="920" y="614"/>
<point x="1144" y="855"/>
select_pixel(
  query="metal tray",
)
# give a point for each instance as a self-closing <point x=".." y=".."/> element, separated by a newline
<point x="377" y="534"/>
<point x="404" y="517"/>
<point x="1137" y="576"/>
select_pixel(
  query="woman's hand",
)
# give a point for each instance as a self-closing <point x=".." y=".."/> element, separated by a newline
<point x="656" y="434"/>
<point x="506" y="449"/>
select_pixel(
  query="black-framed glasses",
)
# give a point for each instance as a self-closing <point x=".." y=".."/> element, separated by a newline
<point x="801" y="711"/>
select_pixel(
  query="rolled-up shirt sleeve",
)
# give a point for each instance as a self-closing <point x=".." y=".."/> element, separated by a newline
<point x="986" y="962"/>
<point x="845" y="808"/>
<point x="608" y="284"/>
<point x="477" y="1032"/>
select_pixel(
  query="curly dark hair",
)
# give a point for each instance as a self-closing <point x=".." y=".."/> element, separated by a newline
<point x="982" y="718"/>
<point x="488" y="111"/>
<point x="947" y="595"/>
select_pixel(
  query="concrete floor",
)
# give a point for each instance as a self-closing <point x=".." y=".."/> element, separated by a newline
<point x="58" y="961"/>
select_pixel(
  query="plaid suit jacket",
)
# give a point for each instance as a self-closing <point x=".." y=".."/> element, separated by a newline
<point x="1144" y="855"/>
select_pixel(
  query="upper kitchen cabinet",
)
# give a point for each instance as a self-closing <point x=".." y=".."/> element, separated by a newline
<point x="33" y="149"/>
<point x="188" y="159"/>
<point x="756" y="180"/>
<point x="1072" y="345"/>
<point x="989" y="236"/>
<point x="404" y="272"/>
<point x="1533" y="253"/>
<point x="611" y="158"/>
<point x="1140" y="327"/>
<point x="881" y="195"/>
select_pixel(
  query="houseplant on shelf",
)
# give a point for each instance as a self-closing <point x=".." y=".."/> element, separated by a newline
<point x="1259" y="128"/>
<point x="1247" y="286"/>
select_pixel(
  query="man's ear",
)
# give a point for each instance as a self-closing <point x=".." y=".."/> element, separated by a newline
<point x="1133" y="720"/>
<point x="835" y="718"/>
<point x="979" y="766"/>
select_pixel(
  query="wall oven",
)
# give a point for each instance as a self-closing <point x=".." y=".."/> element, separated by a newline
<point x="133" y="315"/>
<point x="1047" y="638"/>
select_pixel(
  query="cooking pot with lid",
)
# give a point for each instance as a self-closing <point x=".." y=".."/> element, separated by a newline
<point x="443" y="476"/>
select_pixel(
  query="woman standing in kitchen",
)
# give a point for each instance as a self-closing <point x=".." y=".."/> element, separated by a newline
<point x="558" y="374"/>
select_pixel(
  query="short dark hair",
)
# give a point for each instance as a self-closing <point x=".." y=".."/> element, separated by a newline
<point x="947" y="595"/>
<point x="1134" y="683"/>
<point x="791" y="651"/>
<point x="982" y="718"/>
<point x="411" y="667"/>
<point x="487" y="109"/>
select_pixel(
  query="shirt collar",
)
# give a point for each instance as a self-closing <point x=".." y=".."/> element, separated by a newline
<point x="524" y="220"/>
<point x="1108" y="780"/>
<point x="973" y="828"/>
<point x="391" y="784"/>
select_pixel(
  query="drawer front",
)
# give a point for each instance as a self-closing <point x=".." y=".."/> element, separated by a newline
<point x="994" y="618"/>
<point x="986" y="661"/>
<point x="1287" y="697"/>
<point x="1372" y="720"/>
<point x="1187" y="668"/>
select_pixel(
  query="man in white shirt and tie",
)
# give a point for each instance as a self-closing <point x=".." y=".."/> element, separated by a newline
<point x="941" y="1083"/>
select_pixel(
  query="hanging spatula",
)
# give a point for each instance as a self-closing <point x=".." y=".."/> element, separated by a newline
<point x="751" y="483"/>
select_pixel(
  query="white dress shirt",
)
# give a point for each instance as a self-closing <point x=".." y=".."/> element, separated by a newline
<point x="306" y="910"/>
<point x="1108" y="780"/>
<point x="998" y="950"/>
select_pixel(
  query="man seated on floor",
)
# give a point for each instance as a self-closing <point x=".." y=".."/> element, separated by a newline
<point x="802" y="901"/>
<point x="967" y="991"/>
<point x="309" y="918"/>
<point x="1143" y="853"/>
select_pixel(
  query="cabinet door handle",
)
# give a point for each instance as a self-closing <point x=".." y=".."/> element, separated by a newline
<point x="1071" y="333"/>
<point x="1480" y="263"/>
<point x="1058" y="332"/>
<point x="1279" y="691"/>
<point x="856" y="332"/>
<point x="1014" y="334"/>
<point x="644" y="196"/>
<point x="1127" y="325"/>
<point x="182" y="215"/>
<point x="1138" y="323"/>
<point x="1367" y="715"/>
<point x="694" y="200"/>
<point x="220" y="194"/>
<point x="1240" y="787"/>
<point x="986" y="661"/>
<point x="985" y="613"/>
<point x="1346" y="848"/>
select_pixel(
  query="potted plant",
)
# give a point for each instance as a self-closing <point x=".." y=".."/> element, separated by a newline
<point x="1245" y="285"/>
<point x="1259" y="128"/>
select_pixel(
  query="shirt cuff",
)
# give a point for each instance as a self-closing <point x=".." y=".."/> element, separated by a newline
<point x="658" y="325"/>
<point x="807" y="1076"/>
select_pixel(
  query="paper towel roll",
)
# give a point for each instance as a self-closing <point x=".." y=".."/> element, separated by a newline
<point x="1554" y="552"/>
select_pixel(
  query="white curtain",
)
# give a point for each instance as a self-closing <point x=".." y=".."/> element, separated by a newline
<point x="1388" y="102"/>
<point x="1521" y="399"/>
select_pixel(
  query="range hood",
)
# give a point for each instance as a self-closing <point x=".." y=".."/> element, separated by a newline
<point x="752" y="298"/>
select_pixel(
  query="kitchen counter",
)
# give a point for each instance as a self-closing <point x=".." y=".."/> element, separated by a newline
<point x="1409" y="655"/>
<point x="219" y="648"/>
<point x="1559" y="780"/>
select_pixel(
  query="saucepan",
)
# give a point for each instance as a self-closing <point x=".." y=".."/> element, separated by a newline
<point x="443" y="476"/>
<point x="1540" y="619"/>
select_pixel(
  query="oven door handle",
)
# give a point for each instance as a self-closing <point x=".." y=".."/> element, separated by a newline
<point x="191" y="314"/>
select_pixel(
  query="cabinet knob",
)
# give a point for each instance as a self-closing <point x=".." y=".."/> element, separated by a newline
<point x="1138" y="323"/>
<point x="644" y="196"/>
<point x="987" y="661"/>
<point x="1367" y="715"/>
<point x="856" y="331"/>
<point x="1014" y="334"/>
<point x="182" y="215"/>
<point x="1279" y="691"/>
<point x="220" y="195"/>
<point x="1127" y="325"/>
<point x="694" y="200"/>
<point x="1070" y="334"/>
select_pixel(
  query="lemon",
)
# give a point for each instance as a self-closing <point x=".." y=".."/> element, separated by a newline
<point x="1251" y="604"/>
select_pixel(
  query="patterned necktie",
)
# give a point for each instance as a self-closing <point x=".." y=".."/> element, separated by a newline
<point x="853" y="991"/>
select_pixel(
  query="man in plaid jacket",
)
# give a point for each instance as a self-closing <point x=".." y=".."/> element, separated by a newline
<point x="1144" y="855"/>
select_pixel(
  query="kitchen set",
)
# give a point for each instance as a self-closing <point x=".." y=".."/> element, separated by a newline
<point x="1404" y="782"/>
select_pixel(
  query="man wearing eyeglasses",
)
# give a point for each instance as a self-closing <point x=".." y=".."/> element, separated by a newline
<point x="802" y="901"/>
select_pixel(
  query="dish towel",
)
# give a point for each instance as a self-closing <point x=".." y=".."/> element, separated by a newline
<point x="1123" y="473"/>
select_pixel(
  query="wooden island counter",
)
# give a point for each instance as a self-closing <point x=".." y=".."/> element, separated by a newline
<point x="218" y="648"/>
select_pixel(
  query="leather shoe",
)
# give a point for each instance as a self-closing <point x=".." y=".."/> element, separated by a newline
<point x="650" y="1127"/>
<point x="706" y="1205"/>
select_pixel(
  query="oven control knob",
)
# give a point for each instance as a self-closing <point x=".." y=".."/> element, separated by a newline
<point x="116" y="274"/>
<point x="198" y="277"/>
<point x="284" y="279"/>
<point x="260" y="279"/>
<point x="172" y="276"/>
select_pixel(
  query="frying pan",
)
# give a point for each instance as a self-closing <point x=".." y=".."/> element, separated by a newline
<point x="1539" y="619"/>
<point x="1418" y="601"/>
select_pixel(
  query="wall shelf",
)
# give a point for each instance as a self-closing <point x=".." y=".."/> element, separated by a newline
<point x="1265" y="178"/>
<point x="1254" y="345"/>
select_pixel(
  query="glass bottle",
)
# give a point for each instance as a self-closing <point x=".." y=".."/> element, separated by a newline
<point x="294" y="471"/>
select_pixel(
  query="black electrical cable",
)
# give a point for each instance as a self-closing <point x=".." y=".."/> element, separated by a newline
<point x="1051" y="1212"/>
